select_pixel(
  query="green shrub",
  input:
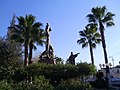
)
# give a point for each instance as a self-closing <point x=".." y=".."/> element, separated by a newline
<point x="19" y="75"/>
<point x="53" y="72"/>
<point x="39" y="83"/>
<point x="5" y="86"/>
<point x="73" y="84"/>
<point x="85" y="69"/>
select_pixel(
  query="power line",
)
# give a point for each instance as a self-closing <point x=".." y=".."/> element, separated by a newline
<point x="116" y="53"/>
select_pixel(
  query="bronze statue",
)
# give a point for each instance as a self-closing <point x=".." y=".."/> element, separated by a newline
<point x="72" y="58"/>
<point x="48" y="55"/>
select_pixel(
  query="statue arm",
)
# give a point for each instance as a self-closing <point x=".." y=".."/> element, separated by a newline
<point x="77" y="53"/>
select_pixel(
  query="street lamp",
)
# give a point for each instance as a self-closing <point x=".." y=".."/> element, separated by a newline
<point x="104" y="65"/>
<point x="112" y="60"/>
<point x="107" y="75"/>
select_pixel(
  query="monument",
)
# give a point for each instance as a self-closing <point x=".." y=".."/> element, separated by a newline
<point x="48" y="55"/>
<point x="72" y="57"/>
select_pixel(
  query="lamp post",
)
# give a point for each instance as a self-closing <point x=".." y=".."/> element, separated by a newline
<point x="112" y="60"/>
<point x="102" y="67"/>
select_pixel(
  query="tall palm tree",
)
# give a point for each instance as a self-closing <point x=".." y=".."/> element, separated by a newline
<point x="102" y="18"/>
<point x="90" y="37"/>
<point x="24" y="32"/>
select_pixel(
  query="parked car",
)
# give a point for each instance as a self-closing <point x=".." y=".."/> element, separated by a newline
<point x="115" y="79"/>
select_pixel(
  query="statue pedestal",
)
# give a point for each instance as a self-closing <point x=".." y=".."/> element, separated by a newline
<point x="47" y="61"/>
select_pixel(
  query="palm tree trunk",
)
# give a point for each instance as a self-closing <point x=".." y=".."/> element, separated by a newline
<point x="103" y="42"/>
<point x="105" y="53"/>
<point x="26" y="55"/>
<point x="91" y="53"/>
<point x="30" y="53"/>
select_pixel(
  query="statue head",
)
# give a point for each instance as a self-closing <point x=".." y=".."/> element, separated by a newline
<point x="71" y="53"/>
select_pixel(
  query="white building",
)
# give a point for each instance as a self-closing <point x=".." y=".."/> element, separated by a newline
<point x="114" y="71"/>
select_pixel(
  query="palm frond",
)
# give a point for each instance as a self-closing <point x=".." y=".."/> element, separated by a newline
<point x="108" y="17"/>
<point x="81" y="40"/>
<point x="97" y="34"/>
<point x="84" y="44"/>
<point x="95" y="12"/>
<point x="81" y="33"/>
<point x="21" y="21"/>
<point x="98" y="41"/>
<point x="37" y="24"/>
<point x="110" y="23"/>
<point x="91" y="18"/>
<point x="41" y="42"/>
<point x="30" y="19"/>
<point x="102" y="11"/>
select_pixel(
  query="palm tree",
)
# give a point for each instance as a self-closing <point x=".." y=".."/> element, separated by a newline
<point x="102" y="18"/>
<point x="90" y="37"/>
<point x="37" y="36"/>
<point x="25" y="32"/>
<point x="20" y="33"/>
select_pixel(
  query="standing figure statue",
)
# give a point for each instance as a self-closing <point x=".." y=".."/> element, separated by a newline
<point x="72" y="58"/>
<point x="47" y="30"/>
<point x="48" y="55"/>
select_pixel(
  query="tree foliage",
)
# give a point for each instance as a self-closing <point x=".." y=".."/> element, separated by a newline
<point x="10" y="54"/>
<point x="10" y="58"/>
<point x="27" y="32"/>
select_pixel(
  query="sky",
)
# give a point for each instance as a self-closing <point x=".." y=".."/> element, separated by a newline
<point x="67" y="18"/>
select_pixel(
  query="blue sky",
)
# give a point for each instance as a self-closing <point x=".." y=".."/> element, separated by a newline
<point x="67" y="18"/>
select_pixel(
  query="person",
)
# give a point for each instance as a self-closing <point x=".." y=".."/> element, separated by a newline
<point x="72" y="58"/>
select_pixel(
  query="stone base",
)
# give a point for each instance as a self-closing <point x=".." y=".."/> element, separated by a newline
<point x="47" y="61"/>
